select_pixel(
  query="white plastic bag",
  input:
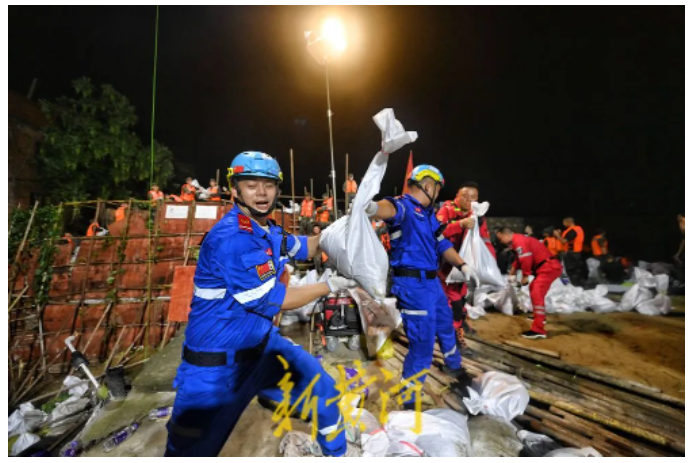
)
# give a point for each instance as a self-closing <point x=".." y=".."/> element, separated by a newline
<point x="475" y="253"/>
<point x="594" y="269"/>
<point x="375" y="444"/>
<point x="378" y="319"/>
<point x="25" y="419"/>
<point x="659" y="305"/>
<point x="24" y="441"/>
<point x="351" y="242"/>
<point x="595" y="299"/>
<point x="76" y="386"/>
<point x="497" y="394"/>
<point x="641" y="296"/>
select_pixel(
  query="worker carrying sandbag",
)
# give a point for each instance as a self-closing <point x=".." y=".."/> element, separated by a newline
<point x="232" y="352"/>
<point x="532" y="257"/>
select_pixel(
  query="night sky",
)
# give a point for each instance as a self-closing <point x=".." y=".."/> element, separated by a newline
<point x="552" y="110"/>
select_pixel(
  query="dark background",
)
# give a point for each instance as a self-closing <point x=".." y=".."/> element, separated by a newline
<point x="553" y="110"/>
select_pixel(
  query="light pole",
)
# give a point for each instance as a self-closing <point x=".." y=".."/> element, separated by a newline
<point x="330" y="43"/>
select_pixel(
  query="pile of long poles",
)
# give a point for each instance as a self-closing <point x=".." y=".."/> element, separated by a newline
<point x="576" y="406"/>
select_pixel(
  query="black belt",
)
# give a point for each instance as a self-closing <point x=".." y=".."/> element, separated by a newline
<point x="410" y="272"/>
<point x="216" y="359"/>
<point x="544" y="261"/>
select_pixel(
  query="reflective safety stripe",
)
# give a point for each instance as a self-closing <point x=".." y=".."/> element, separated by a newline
<point x="527" y="254"/>
<point x="415" y="312"/>
<point x="396" y="235"/>
<point x="447" y="354"/>
<point x="256" y="293"/>
<point x="331" y="429"/>
<point x="440" y="237"/>
<point x="295" y="249"/>
<point x="209" y="293"/>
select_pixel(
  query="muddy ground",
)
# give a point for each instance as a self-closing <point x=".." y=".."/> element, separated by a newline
<point x="645" y="349"/>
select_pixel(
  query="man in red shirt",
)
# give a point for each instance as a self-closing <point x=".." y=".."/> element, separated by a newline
<point x="532" y="257"/>
<point x="458" y="217"/>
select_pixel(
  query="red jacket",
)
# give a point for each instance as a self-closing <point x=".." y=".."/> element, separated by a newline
<point x="450" y="213"/>
<point x="529" y="253"/>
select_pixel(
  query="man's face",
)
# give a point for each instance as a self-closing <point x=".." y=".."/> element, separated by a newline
<point x="155" y="188"/>
<point x="466" y="196"/>
<point x="258" y="193"/>
<point x="188" y="179"/>
<point x="504" y="238"/>
<point x="213" y="183"/>
<point x="316" y="231"/>
<point x="568" y="223"/>
<point x="351" y="176"/>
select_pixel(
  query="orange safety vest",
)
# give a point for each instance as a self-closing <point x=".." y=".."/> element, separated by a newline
<point x="596" y="247"/>
<point x="188" y="196"/>
<point x="214" y="191"/>
<point x="91" y="231"/>
<point x="553" y="245"/>
<point x="156" y="195"/>
<point x="578" y="244"/>
<point x="351" y="186"/>
<point x="326" y="207"/>
<point x="306" y="208"/>
<point x="120" y="213"/>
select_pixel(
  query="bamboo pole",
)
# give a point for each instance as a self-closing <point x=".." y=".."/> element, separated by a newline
<point x="581" y="371"/>
<point x="20" y="249"/>
<point x="346" y="205"/>
<point x="549" y="353"/>
<point x="114" y="349"/>
<point x="294" y="201"/>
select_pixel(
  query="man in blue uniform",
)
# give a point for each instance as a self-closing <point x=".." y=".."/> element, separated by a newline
<point x="231" y="347"/>
<point x="417" y="243"/>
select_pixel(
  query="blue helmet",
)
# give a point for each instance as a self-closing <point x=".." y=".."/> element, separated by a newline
<point x="254" y="164"/>
<point x="426" y="170"/>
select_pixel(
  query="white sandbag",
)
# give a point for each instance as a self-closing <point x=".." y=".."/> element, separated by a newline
<point x="378" y="320"/>
<point x="299" y="444"/>
<point x="351" y="242"/>
<point x="595" y="299"/>
<point x="475" y="253"/>
<point x="375" y="444"/>
<point x="25" y="419"/>
<point x="497" y="394"/>
<point x="573" y="452"/>
<point x="76" y="387"/>
<point x="68" y="407"/>
<point x="594" y="269"/>
<point x="662" y="283"/>
<point x="659" y="305"/>
<point x="304" y="312"/>
<point x="445" y="423"/>
<point x="475" y="311"/>
<point x="24" y="441"/>
<point x="403" y="449"/>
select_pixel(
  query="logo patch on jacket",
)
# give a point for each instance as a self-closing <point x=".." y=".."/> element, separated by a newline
<point x="519" y="250"/>
<point x="266" y="270"/>
<point x="245" y="223"/>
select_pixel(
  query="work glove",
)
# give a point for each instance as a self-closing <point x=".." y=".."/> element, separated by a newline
<point x="470" y="274"/>
<point x="336" y="283"/>
<point x="371" y="208"/>
<point x="512" y="279"/>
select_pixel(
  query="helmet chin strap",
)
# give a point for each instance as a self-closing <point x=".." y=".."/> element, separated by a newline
<point x="256" y="212"/>
<point x="423" y="190"/>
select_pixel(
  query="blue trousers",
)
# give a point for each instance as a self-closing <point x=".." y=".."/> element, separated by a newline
<point x="426" y="315"/>
<point x="210" y="400"/>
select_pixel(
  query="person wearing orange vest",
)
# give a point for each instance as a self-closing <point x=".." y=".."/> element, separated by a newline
<point x="324" y="210"/>
<point x="573" y="241"/>
<point x="307" y="214"/>
<point x="318" y="260"/>
<point x="96" y="230"/>
<point x="121" y="213"/>
<point x="155" y="194"/>
<point x="214" y="190"/>
<point x="599" y="245"/>
<point x="188" y="191"/>
<point x="552" y="243"/>
<point x="350" y="185"/>
<point x="382" y="232"/>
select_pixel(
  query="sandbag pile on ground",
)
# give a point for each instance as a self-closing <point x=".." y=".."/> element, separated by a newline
<point x="648" y="295"/>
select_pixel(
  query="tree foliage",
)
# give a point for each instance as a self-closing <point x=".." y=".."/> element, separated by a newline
<point x="91" y="150"/>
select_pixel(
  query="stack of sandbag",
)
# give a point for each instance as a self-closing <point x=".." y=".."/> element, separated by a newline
<point x="648" y="295"/>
